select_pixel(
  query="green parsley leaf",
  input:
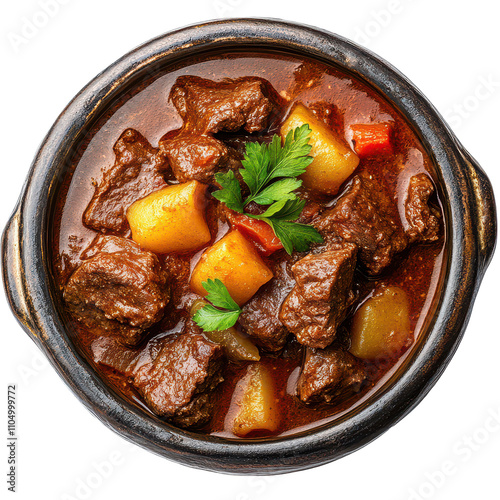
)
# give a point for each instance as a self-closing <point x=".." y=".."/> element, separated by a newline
<point x="222" y="313"/>
<point x="230" y="194"/>
<point x="294" y="236"/>
<point x="265" y="162"/>
<point x="270" y="171"/>
<point x="283" y="210"/>
<point x="209" y="318"/>
<point x="279" y="190"/>
<point x="291" y="234"/>
<point x="218" y="295"/>
<point x="291" y="159"/>
<point x="256" y="164"/>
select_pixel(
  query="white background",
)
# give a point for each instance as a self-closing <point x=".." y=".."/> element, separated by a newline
<point x="449" y="49"/>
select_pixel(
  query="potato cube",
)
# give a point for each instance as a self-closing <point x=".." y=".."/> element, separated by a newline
<point x="381" y="326"/>
<point x="333" y="160"/>
<point x="234" y="261"/>
<point x="255" y="401"/>
<point x="171" y="219"/>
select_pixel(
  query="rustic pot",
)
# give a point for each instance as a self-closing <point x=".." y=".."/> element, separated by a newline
<point x="470" y="227"/>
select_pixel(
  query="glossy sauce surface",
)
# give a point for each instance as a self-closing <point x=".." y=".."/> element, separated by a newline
<point x="342" y="101"/>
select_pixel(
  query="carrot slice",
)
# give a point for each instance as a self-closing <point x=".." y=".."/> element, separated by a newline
<point x="258" y="231"/>
<point x="372" y="139"/>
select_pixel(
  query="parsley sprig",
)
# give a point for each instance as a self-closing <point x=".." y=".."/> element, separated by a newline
<point x="270" y="171"/>
<point x="222" y="313"/>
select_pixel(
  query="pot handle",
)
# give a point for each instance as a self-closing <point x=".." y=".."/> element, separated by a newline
<point x="13" y="274"/>
<point x="485" y="209"/>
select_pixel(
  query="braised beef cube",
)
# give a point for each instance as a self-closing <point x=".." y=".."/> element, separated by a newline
<point x="207" y="107"/>
<point x="111" y="244"/>
<point x="179" y="383"/>
<point x="118" y="290"/>
<point x="367" y="217"/>
<point x="198" y="157"/>
<point x="178" y="268"/>
<point x="318" y="302"/>
<point x="193" y="156"/>
<point x="210" y="107"/>
<point x="109" y="352"/>
<point x="259" y="316"/>
<point x="310" y="212"/>
<point x="423" y="220"/>
<point x="329" y="376"/>
<point x="135" y="174"/>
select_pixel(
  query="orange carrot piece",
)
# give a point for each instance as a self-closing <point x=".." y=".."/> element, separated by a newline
<point x="258" y="231"/>
<point x="372" y="139"/>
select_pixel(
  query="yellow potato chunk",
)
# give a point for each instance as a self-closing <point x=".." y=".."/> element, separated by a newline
<point x="256" y="402"/>
<point x="233" y="260"/>
<point x="333" y="160"/>
<point x="381" y="326"/>
<point x="171" y="219"/>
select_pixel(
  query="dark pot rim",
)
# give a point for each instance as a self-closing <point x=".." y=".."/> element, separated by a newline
<point x="471" y="229"/>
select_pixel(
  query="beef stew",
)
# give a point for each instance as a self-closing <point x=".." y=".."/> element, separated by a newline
<point x="137" y="236"/>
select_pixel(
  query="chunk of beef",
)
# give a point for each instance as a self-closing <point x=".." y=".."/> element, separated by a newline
<point x="110" y="244"/>
<point x="109" y="352"/>
<point x="422" y="219"/>
<point x="198" y="157"/>
<point x="135" y="174"/>
<point x="310" y="212"/>
<point x="193" y="156"/>
<point x="118" y="289"/>
<point x="318" y="302"/>
<point x="178" y="268"/>
<point x="329" y="376"/>
<point x="179" y="383"/>
<point x="367" y="217"/>
<point x="209" y="107"/>
<point x="259" y="316"/>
